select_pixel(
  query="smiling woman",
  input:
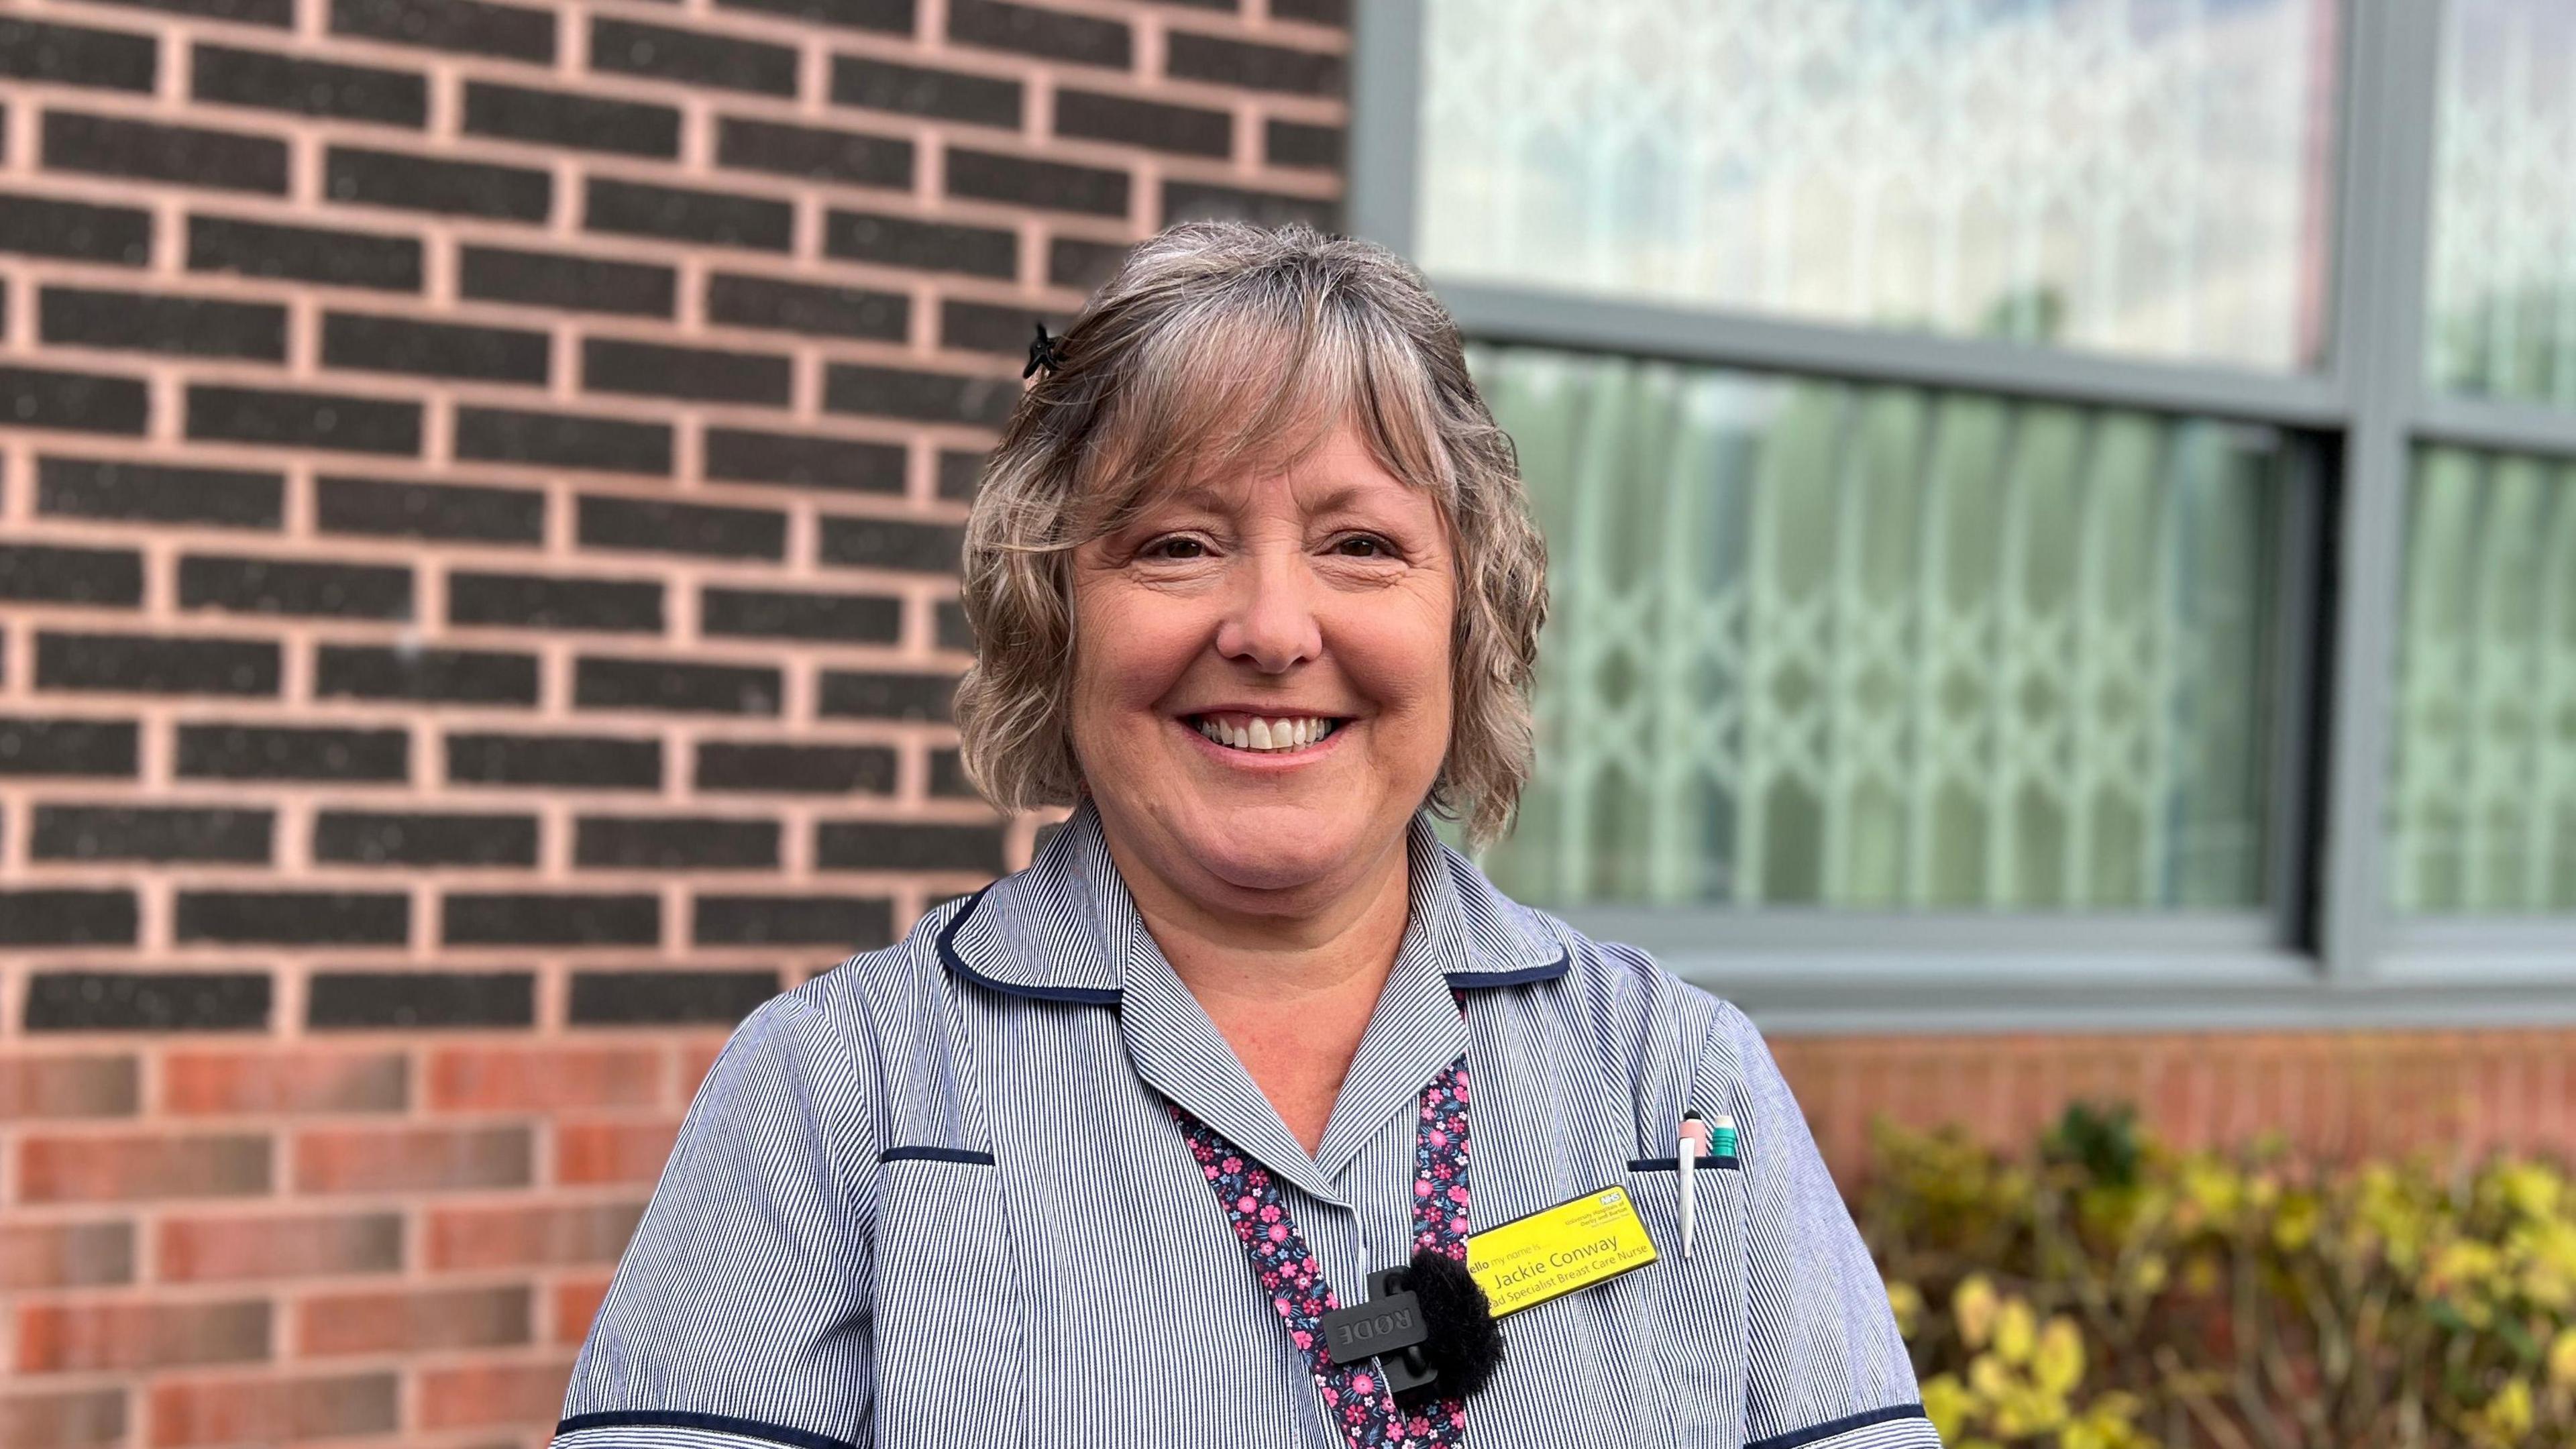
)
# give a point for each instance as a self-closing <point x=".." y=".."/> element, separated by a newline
<point x="1166" y="1139"/>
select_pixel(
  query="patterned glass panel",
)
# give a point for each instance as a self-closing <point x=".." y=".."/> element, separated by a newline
<point x="2140" y="176"/>
<point x="2483" y="812"/>
<point x="1813" y="643"/>
<point x="2503" y="278"/>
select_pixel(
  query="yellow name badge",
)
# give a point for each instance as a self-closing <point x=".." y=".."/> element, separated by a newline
<point x="1549" y="1254"/>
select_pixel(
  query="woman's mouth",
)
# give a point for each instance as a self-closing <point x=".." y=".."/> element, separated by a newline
<point x="1266" y="734"/>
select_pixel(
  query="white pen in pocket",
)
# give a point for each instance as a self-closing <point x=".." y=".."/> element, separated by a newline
<point x="1693" y="1141"/>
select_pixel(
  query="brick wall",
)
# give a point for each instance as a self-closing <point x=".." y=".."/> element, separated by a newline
<point x="479" y="489"/>
<point x="2332" y="1096"/>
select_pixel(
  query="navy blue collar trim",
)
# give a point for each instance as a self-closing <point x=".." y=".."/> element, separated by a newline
<point x="1817" y="1433"/>
<point x="1112" y="996"/>
<point x="718" y="1423"/>
<point x="1068" y="995"/>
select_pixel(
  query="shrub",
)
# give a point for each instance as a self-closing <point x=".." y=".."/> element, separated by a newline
<point x="2115" y="1294"/>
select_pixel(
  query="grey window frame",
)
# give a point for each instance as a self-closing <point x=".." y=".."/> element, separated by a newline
<point x="2329" y="950"/>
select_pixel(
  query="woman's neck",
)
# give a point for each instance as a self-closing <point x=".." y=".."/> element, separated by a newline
<point x="1291" y="989"/>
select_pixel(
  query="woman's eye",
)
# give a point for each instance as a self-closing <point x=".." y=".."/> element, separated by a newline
<point x="1175" y="548"/>
<point x="1365" y="545"/>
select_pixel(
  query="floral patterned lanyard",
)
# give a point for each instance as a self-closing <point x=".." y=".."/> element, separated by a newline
<point x="1370" y="1416"/>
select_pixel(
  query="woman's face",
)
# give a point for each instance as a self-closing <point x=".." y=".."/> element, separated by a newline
<point x="1261" y="685"/>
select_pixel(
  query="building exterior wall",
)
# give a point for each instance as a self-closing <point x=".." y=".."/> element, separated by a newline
<point x="477" y="604"/>
<point x="2330" y="1096"/>
<point x="478" y="499"/>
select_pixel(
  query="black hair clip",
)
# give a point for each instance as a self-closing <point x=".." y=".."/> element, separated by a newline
<point x="1042" y="353"/>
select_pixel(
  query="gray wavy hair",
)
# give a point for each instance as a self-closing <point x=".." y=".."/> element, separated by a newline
<point x="1220" y="345"/>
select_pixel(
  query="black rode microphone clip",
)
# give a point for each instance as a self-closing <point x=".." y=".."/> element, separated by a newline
<point x="1428" y="1326"/>
<point x="1389" y="1327"/>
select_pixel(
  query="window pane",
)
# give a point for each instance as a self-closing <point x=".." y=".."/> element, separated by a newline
<point x="2503" y="278"/>
<point x="2483" y="813"/>
<point x="1813" y="643"/>
<point x="2141" y="176"/>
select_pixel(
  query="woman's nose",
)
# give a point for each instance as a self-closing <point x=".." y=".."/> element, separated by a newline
<point x="1270" y="622"/>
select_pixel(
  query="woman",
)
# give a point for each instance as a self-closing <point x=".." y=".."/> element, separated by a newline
<point x="1097" y="1154"/>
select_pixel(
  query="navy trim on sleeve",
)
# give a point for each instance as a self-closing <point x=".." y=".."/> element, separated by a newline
<point x="935" y="1154"/>
<point x="718" y="1423"/>
<point x="1817" y="1433"/>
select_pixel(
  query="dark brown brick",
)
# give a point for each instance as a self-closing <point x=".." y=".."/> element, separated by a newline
<point x="929" y="397"/>
<point x="155" y="1001"/>
<point x="65" y="916"/>
<point x="898" y="241"/>
<point x="129" y="832"/>
<point x="852" y="158"/>
<point x="946" y="95"/>
<point x="795" y="769"/>
<point x="650" y="525"/>
<point x="181" y="155"/>
<point x="744" y="455"/>
<point x="693" y="57"/>
<point x="887" y="845"/>
<point x="674" y="686"/>
<point x="850" y="694"/>
<point x="1184" y="130"/>
<point x="527" y="919"/>
<point x="784" y="306"/>
<point x="1029" y="181"/>
<point x="1029" y="30"/>
<point x="293" y="918"/>
<point x="1188" y="55"/>
<point x="619" y="842"/>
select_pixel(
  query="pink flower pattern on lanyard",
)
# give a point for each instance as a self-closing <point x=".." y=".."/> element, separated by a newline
<point x="1370" y="1417"/>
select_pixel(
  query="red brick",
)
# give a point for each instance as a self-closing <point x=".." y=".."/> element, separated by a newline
<point x="271" y="1410"/>
<point x="65" y="1255"/>
<point x="63" y="1421"/>
<point x="602" y="1152"/>
<point x="199" y="1250"/>
<point x="278" y="1081"/>
<point x="411" y="1159"/>
<point x="521" y="1079"/>
<point x="81" y="1086"/>
<point x="504" y="1393"/>
<point x="513" y="1237"/>
<point x="574" y="1303"/>
<point x="65" y="1338"/>
<point x="124" y="1169"/>
<point x="411" y="1320"/>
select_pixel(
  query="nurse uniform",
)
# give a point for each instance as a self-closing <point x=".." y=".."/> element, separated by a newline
<point x="941" y="1196"/>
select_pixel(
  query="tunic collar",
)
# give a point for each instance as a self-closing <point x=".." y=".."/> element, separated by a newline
<point x="1066" y="931"/>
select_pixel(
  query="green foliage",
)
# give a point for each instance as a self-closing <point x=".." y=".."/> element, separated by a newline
<point x="2112" y="1293"/>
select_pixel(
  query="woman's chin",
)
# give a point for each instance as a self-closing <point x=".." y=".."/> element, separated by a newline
<point x="1267" y="856"/>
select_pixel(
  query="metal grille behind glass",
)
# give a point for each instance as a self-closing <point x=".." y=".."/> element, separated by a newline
<point x="1828" y="644"/>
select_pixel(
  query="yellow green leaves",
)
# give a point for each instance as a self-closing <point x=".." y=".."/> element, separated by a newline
<point x="2109" y="1292"/>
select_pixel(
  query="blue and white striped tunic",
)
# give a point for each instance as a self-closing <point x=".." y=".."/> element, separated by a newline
<point x="933" y="1198"/>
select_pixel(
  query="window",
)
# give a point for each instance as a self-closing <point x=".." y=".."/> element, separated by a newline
<point x="1813" y="643"/>
<point x="2145" y="178"/>
<point x="2504" y="233"/>
<point x="2483" y="811"/>
<point x="2056" y="506"/>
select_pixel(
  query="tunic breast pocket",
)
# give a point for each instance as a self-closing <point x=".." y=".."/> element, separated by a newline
<point x="1695" y="1307"/>
<point x="948" y="1304"/>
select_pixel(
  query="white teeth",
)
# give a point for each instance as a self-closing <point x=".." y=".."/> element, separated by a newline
<point x="1273" y="736"/>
